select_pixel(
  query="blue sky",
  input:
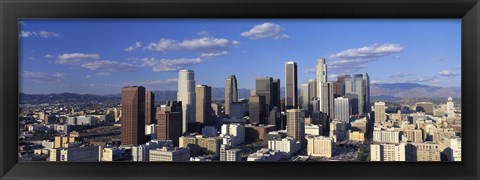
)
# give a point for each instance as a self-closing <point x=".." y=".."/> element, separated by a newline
<point x="101" y="56"/>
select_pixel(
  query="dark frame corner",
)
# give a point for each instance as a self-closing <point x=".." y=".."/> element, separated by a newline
<point x="467" y="10"/>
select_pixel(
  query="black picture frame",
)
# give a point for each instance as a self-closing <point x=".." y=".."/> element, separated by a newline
<point x="466" y="10"/>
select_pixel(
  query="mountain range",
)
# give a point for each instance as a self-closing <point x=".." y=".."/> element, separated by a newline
<point x="377" y="91"/>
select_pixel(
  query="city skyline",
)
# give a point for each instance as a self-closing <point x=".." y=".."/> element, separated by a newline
<point x="153" y="61"/>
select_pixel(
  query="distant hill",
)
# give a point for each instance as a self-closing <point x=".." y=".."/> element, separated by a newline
<point x="412" y="90"/>
<point x="217" y="94"/>
<point x="160" y="96"/>
<point x="66" y="98"/>
<point x="393" y="91"/>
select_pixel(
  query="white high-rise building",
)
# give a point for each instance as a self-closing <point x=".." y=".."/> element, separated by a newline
<point x="288" y="145"/>
<point x="186" y="94"/>
<point x="322" y="87"/>
<point x="342" y="109"/>
<point x="450" y="108"/>
<point x="456" y="146"/>
<point x="386" y="136"/>
<point x="233" y="134"/>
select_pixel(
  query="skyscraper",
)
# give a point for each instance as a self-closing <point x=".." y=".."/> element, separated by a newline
<point x="322" y="86"/>
<point x="296" y="125"/>
<point x="450" y="107"/>
<point x="149" y="108"/>
<point x="291" y="85"/>
<point x="264" y="87"/>
<point x="203" y="101"/>
<point x="169" y="126"/>
<point x="313" y="89"/>
<point x="305" y="94"/>
<point x="257" y="109"/>
<point x="231" y="92"/>
<point x="348" y="84"/>
<point x="276" y="93"/>
<point x="321" y="70"/>
<point x="342" y="109"/>
<point x="133" y="115"/>
<point x="380" y="112"/>
<point x="330" y="99"/>
<point x="366" y="80"/>
<point x="360" y="89"/>
<point x="357" y="89"/>
<point x="186" y="94"/>
<point x="340" y="86"/>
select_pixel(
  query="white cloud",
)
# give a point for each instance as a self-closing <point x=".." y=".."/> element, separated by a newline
<point x="214" y="54"/>
<point x="103" y="74"/>
<point x="134" y="47"/>
<point x="333" y="76"/>
<point x="59" y="75"/>
<point x="166" y="65"/>
<point x="447" y="73"/>
<point x="42" y="34"/>
<point x="76" y="58"/>
<point x="159" y="82"/>
<point x="88" y="76"/>
<point x="369" y="52"/>
<point x="265" y="30"/>
<point x="49" y="56"/>
<point x="352" y="60"/>
<point x="42" y="76"/>
<point x="204" y="45"/>
<point x="235" y="43"/>
<point x="401" y="75"/>
<point x="112" y="66"/>
<point x="93" y="62"/>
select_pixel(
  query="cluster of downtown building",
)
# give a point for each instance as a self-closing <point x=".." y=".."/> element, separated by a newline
<point x="317" y="121"/>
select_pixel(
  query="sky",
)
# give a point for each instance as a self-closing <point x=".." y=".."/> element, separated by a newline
<point x="100" y="56"/>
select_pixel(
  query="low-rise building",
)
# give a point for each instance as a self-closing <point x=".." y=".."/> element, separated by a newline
<point x="319" y="146"/>
<point x="265" y="154"/>
<point x="257" y="132"/>
<point x="111" y="153"/>
<point x="387" y="152"/>
<point x="288" y="146"/>
<point x="314" y="130"/>
<point x="427" y="151"/>
<point x="141" y="152"/>
<point x="233" y="155"/>
<point x="199" y="144"/>
<point x="169" y="154"/>
<point x="233" y="134"/>
<point x="356" y="136"/>
<point x="389" y="135"/>
<point x="80" y="154"/>
<point x="209" y="131"/>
